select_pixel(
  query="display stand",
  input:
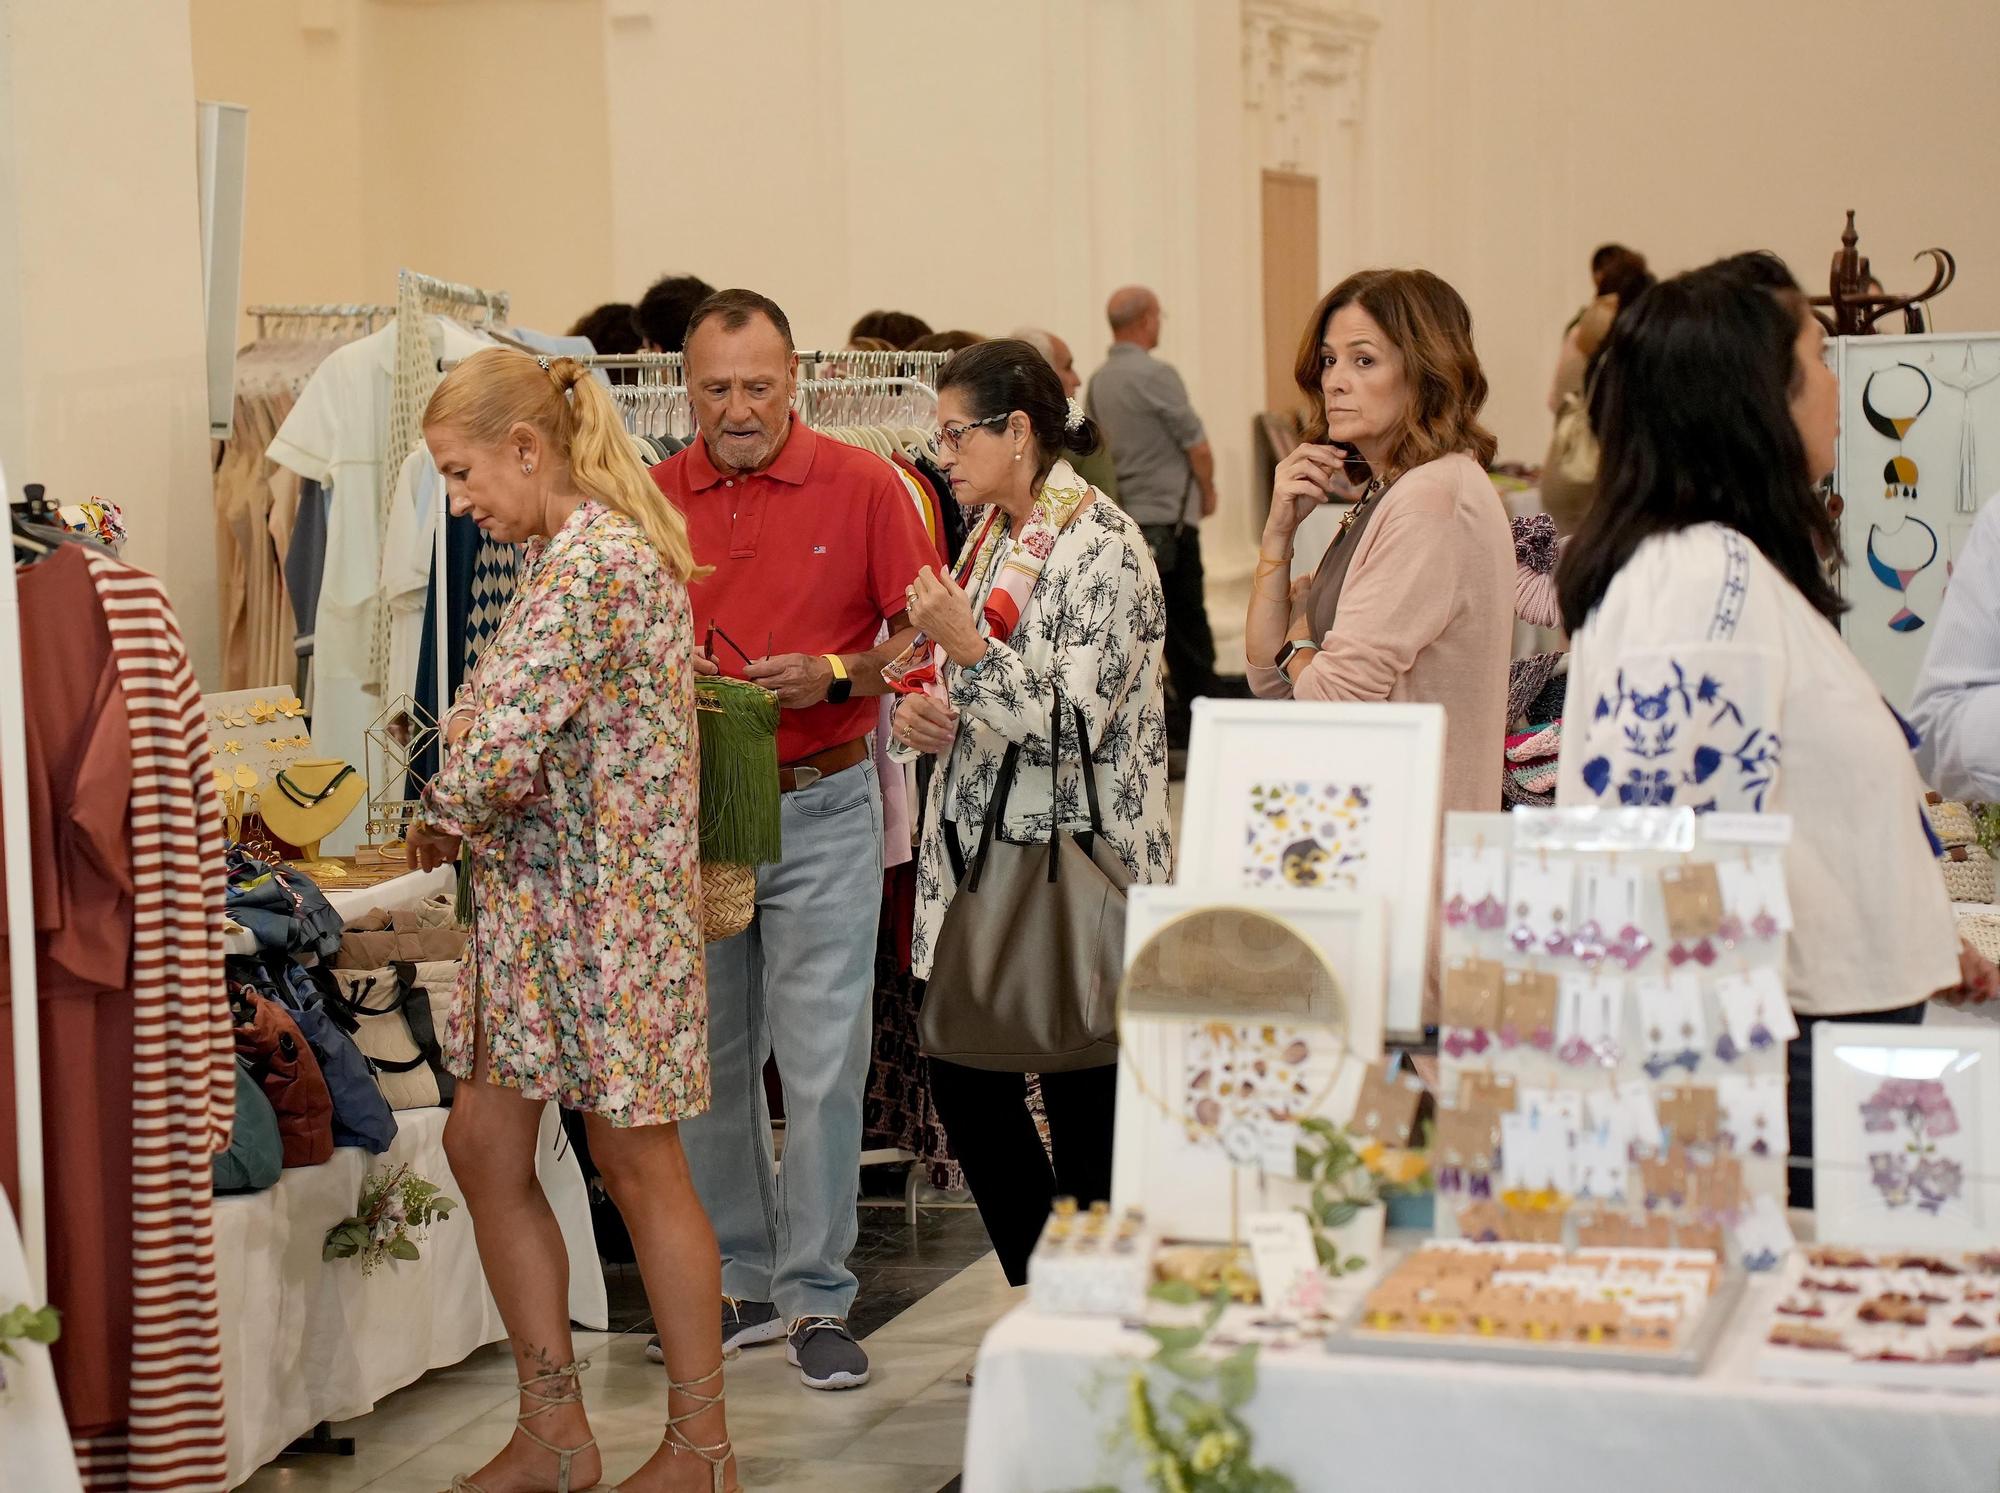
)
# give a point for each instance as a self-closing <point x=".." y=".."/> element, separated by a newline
<point x="1919" y="456"/>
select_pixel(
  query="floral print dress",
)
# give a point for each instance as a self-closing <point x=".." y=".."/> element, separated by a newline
<point x="577" y="790"/>
<point x="1096" y="622"/>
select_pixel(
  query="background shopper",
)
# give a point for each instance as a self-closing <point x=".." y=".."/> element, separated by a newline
<point x="1092" y="624"/>
<point x="813" y="545"/>
<point x="1705" y="669"/>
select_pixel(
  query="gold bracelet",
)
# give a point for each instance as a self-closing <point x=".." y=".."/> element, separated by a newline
<point x="1266" y="566"/>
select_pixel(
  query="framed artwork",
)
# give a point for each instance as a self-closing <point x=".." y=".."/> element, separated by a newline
<point x="1295" y="797"/>
<point x="1906" y="1132"/>
<point x="1236" y="1022"/>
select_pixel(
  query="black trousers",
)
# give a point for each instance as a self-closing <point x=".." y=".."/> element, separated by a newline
<point x="993" y="1136"/>
<point x="1799" y="1091"/>
<point x="1190" y="645"/>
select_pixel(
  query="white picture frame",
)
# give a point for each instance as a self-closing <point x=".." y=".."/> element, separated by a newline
<point x="1887" y="1173"/>
<point x="1394" y="752"/>
<point x="1191" y="1190"/>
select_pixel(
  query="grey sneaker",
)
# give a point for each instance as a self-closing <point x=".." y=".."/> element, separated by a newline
<point x="744" y="1325"/>
<point x="825" y="1354"/>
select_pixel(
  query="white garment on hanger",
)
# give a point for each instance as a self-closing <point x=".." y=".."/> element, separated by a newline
<point x="334" y="435"/>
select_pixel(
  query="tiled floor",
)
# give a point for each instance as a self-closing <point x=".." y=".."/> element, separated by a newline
<point x="902" y="1433"/>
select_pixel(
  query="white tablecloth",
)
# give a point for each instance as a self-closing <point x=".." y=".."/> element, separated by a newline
<point x="1048" y="1389"/>
<point x="406" y="890"/>
<point x="305" y="1341"/>
<point x="35" y="1454"/>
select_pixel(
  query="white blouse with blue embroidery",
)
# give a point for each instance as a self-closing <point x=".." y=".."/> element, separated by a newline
<point x="1706" y="680"/>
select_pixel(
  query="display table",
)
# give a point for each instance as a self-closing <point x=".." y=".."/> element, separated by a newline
<point x="1048" y="1390"/>
<point x="305" y="1341"/>
<point x="406" y="890"/>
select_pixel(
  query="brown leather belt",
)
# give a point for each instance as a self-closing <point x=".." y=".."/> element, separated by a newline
<point x="809" y="770"/>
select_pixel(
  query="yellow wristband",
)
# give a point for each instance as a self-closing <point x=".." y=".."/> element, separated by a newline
<point x="834" y="663"/>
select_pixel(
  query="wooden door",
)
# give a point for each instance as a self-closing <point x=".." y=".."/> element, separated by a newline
<point x="1291" y="278"/>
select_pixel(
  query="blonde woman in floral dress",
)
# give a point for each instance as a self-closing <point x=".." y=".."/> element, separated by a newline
<point x="573" y="777"/>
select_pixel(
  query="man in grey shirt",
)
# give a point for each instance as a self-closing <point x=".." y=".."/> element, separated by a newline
<point x="1166" y="481"/>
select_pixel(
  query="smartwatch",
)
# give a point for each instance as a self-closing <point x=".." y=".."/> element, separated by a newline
<point x="1290" y="651"/>
<point x="838" y="692"/>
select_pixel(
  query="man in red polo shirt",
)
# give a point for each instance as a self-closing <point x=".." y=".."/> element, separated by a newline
<point x="815" y="545"/>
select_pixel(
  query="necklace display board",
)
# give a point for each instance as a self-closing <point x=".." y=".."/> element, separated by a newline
<point x="1919" y="455"/>
<point x="1613" y="1029"/>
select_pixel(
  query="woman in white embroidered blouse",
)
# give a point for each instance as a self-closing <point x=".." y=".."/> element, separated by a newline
<point x="1056" y="589"/>
<point x="1705" y="668"/>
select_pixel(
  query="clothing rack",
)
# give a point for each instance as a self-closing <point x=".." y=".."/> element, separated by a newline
<point x="669" y="367"/>
<point x="20" y="925"/>
<point x="292" y="320"/>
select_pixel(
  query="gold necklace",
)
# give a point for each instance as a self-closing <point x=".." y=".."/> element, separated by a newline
<point x="1376" y="487"/>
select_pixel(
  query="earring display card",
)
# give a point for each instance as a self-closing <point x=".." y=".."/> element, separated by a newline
<point x="1904" y="1320"/>
<point x="1653" y="1111"/>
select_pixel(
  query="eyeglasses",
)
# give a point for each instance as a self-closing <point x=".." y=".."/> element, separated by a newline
<point x="949" y="436"/>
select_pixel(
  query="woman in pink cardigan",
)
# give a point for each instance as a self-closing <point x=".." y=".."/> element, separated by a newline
<point x="1414" y="600"/>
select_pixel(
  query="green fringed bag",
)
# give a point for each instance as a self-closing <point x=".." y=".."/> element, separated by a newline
<point x="740" y="822"/>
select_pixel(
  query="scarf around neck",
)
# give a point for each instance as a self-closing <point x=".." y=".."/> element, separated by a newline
<point x="1063" y="496"/>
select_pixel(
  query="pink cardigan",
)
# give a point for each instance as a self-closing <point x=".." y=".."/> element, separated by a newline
<point x="1427" y="615"/>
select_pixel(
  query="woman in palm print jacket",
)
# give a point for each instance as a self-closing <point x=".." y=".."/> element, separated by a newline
<point x="1056" y="590"/>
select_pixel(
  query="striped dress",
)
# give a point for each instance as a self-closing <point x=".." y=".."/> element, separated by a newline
<point x="183" y="1058"/>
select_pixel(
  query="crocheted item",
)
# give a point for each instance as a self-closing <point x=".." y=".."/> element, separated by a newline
<point x="1951" y="821"/>
<point x="1982" y="931"/>
<point x="1543" y="744"/>
<point x="1527" y="678"/>
<point x="1535" y="543"/>
<point x="1552" y="703"/>
<point x="1968" y="874"/>
<point x="1535" y="551"/>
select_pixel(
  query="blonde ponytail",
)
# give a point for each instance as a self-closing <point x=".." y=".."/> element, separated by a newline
<point x="487" y="394"/>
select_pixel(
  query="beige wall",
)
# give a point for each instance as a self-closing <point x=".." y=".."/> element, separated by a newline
<point x="983" y="164"/>
<point x="1512" y="136"/>
<point x="102" y="379"/>
<point x="464" y="138"/>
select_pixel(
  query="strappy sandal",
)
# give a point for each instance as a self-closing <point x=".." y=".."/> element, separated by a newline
<point x="716" y="1456"/>
<point x="572" y="1394"/>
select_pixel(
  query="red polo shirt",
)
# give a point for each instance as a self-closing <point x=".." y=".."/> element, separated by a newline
<point x="812" y="555"/>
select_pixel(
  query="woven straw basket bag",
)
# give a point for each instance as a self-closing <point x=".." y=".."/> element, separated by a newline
<point x="739" y="799"/>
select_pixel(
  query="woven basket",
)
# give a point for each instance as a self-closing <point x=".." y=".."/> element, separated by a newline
<point x="1968" y="874"/>
<point x="728" y="899"/>
<point x="1952" y="821"/>
<point x="1982" y="931"/>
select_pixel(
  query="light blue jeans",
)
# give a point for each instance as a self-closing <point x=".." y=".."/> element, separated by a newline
<point x="800" y="982"/>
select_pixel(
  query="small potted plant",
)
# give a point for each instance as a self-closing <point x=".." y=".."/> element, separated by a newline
<point x="1352" y="1178"/>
